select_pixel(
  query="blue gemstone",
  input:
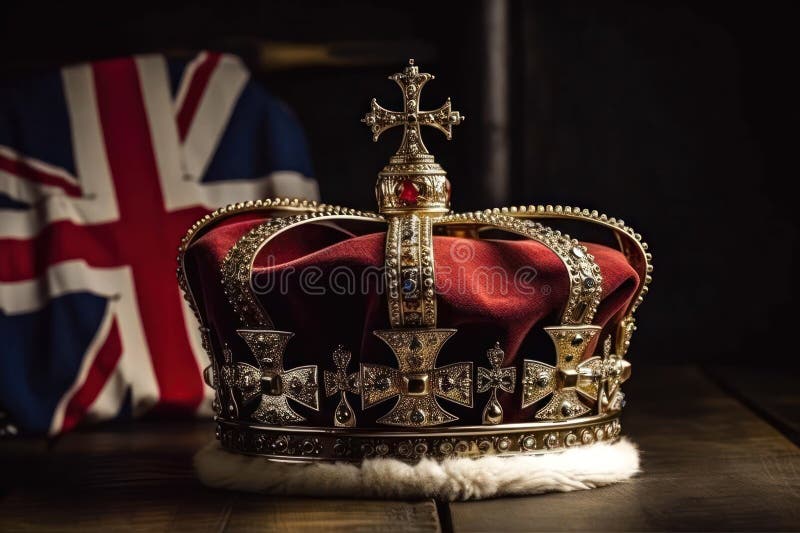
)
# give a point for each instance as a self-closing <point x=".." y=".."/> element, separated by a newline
<point x="409" y="285"/>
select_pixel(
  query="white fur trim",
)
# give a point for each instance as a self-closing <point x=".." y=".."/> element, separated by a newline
<point x="579" y="468"/>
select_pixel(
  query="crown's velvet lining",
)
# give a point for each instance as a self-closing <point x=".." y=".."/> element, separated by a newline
<point x="464" y="268"/>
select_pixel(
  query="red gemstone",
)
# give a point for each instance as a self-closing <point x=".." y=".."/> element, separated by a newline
<point x="408" y="192"/>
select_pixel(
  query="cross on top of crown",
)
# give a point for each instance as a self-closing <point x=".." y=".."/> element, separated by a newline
<point x="380" y="119"/>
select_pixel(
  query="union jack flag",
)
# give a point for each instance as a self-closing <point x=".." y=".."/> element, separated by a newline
<point x="103" y="167"/>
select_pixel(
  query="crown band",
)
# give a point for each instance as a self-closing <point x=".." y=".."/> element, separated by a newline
<point x="295" y="443"/>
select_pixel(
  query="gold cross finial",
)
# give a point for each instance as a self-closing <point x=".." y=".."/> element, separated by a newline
<point x="380" y="119"/>
<point x="412" y="181"/>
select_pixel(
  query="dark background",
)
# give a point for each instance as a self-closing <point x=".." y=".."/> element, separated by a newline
<point x="678" y="118"/>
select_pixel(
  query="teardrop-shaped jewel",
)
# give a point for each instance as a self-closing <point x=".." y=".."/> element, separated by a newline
<point x="344" y="416"/>
<point x="493" y="412"/>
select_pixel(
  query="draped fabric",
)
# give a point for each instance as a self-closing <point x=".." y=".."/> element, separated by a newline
<point x="103" y="167"/>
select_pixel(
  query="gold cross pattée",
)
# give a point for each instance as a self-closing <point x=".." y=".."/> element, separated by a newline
<point x="270" y="383"/>
<point x="417" y="382"/>
<point x="564" y="381"/>
<point x="597" y="378"/>
<point x="380" y="119"/>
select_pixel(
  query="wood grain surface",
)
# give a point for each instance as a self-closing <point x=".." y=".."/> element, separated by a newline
<point x="139" y="478"/>
<point x="772" y="392"/>
<point x="710" y="463"/>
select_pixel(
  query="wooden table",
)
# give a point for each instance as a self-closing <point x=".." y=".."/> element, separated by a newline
<point x="718" y="447"/>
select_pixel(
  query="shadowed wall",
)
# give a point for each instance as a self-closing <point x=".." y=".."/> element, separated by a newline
<point x="671" y="117"/>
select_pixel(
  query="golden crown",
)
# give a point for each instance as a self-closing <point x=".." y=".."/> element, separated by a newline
<point x="503" y="403"/>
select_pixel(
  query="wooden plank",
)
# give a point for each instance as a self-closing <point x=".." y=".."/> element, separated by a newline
<point x="139" y="478"/>
<point x="709" y="464"/>
<point x="771" y="392"/>
<point x="18" y="456"/>
<point x="134" y="477"/>
<point x="260" y="513"/>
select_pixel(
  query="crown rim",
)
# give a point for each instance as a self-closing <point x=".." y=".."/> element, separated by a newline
<point x="309" y="444"/>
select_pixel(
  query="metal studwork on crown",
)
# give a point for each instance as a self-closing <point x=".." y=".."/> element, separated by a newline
<point x="346" y="444"/>
<point x="412" y="181"/>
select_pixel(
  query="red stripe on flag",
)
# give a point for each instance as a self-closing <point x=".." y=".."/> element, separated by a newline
<point x="25" y="170"/>
<point x="99" y="373"/>
<point x="197" y="86"/>
<point x="148" y="235"/>
<point x="25" y="259"/>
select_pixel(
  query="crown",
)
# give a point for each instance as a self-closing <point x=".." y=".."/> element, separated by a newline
<point x="415" y="332"/>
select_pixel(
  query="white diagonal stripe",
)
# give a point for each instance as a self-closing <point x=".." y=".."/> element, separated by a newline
<point x="116" y="283"/>
<point x="98" y="203"/>
<point x="226" y="83"/>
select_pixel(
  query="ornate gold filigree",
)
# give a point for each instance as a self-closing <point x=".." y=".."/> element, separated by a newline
<point x="222" y="378"/>
<point x="417" y="381"/>
<point x="612" y="371"/>
<point x="343" y="444"/>
<point x="270" y="383"/>
<point x="411" y="118"/>
<point x="563" y="381"/>
<point x="625" y="331"/>
<point x="495" y="378"/>
<point x="342" y="382"/>
<point x="410" y="271"/>
<point x="412" y="181"/>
